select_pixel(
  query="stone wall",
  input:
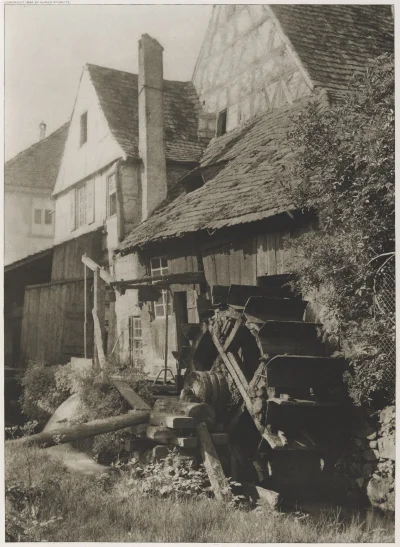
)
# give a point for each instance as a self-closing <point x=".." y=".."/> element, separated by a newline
<point x="381" y="487"/>
<point x="366" y="466"/>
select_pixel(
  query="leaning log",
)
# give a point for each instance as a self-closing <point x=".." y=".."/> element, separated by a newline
<point x="82" y="431"/>
<point x="212" y="463"/>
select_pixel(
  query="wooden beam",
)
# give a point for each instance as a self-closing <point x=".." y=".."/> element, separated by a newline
<point x="218" y="481"/>
<point x="199" y="412"/>
<point x="186" y="278"/>
<point x="171" y="421"/>
<point x="130" y="395"/>
<point x="82" y="431"/>
<point x="232" y="335"/>
<point x="99" y="341"/>
<point x="234" y="370"/>
<point x="260" y="495"/>
<point x="91" y="264"/>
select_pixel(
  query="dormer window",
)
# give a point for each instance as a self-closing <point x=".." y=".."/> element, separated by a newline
<point x="221" y="123"/>
<point x="83" y="133"/>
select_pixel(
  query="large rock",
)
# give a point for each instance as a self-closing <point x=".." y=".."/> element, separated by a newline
<point x="387" y="448"/>
<point x="380" y="492"/>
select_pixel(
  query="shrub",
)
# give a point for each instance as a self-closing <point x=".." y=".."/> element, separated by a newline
<point x="174" y="476"/>
<point x="343" y="168"/>
<point x="101" y="403"/>
<point x="41" y="395"/>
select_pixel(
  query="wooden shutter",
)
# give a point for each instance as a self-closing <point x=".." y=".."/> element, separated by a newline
<point x="73" y="209"/>
<point x="90" y="201"/>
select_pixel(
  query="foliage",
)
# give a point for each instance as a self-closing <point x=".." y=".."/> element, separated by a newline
<point x="97" y="401"/>
<point x="41" y="395"/>
<point x="343" y="168"/>
<point x="173" y="476"/>
<point x="73" y="507"/>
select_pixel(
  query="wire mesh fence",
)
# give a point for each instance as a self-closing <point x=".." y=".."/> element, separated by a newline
<point x="385" y="305"/>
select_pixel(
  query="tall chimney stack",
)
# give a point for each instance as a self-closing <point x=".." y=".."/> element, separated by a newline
<point x="151" y="124"/>
<point x="42" y="130"/>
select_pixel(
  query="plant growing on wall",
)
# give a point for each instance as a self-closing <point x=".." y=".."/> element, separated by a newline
<point x="343" y="169"/>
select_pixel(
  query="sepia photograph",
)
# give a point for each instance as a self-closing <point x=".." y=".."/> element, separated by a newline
<point x="199" y="273"/>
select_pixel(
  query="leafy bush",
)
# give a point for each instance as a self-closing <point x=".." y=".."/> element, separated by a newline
<point x="343" y="168"/>
<point x="41" y="395"/>
<point x="173" y="476"/>
<point x="101" y="402"/>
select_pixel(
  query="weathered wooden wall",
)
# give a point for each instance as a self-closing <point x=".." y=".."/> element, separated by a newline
<point x="242" y="261"/>
<point x="67" y="256"/>
<point x="52" y="326"/>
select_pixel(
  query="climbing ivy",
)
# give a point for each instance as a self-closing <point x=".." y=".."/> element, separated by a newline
<point x="342" y="168"/>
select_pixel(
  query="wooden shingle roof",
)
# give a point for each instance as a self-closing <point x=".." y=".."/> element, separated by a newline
<point x="335" y="40"/>
<point x="249" y="184"/>
<point x="118" y="95"/>
<point x="38" y="165"/>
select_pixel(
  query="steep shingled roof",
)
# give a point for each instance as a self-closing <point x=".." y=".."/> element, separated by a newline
<point x="249" y="185"/>
<point x="333" y="41"/>
<point x="118" y="95"/>
<point x="38" y="165"/>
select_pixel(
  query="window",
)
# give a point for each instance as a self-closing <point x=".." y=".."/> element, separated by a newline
<point x="135" y="340"/>
<point x="37" y="216"/>
<point x="159" y="266"/>
<point x="81" y="204"/>
<point x="111" y="196"/>
<point x="48" y="216"/>
<point x="221" y="123"/>
<point x="83" y="127"/>
<point x="42" y="217"/>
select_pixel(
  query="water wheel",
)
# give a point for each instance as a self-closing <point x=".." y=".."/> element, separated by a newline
<point x="272" y="383"/>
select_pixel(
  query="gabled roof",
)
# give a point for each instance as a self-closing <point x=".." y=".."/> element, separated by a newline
<point x="333" y="41"/>
<point x="38" y="165"/>
<point x="248" y="186"/>
<point x="118" y="95"/>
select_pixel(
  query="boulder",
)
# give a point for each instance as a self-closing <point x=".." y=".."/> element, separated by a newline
<point x="380" y="492"/>
<point x="370" y="455"/>
<point x="387" y="448"/>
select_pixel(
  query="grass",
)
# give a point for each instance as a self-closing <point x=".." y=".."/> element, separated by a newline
<point x="105" y="509"/>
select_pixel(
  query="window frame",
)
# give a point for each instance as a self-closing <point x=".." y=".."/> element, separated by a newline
<point x="114" y="193"/>
<point x="48" y="214"/>
<point x="161" y="303"/>
<point x="35" y="211"/>
<point x="222" y="121"/>
<point x="135" y="341"/>
<point x="79" y="191"/>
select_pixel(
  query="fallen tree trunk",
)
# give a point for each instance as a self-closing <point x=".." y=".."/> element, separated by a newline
<point x="81" y="431"/>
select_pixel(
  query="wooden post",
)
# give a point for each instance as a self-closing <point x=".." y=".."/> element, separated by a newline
<point x="166" y="339"/>
<point x="218" y="481"/>
<point x="85" y="310"/>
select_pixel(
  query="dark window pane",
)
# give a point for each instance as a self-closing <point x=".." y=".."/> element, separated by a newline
<point x="37" y="217"/>
<point x="83" y="136"/>
<point x="48" y="217"/>
<point x="112" y="208"/>
<point x="221" y="123"/>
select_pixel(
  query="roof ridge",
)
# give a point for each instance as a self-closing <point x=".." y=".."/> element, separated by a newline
<point x="135" y="74"/>
<point x="14" y="158"/>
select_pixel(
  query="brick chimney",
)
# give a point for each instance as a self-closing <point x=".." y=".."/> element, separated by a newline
<point x="151" y="124"/>
<point x="42" y="130"/>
